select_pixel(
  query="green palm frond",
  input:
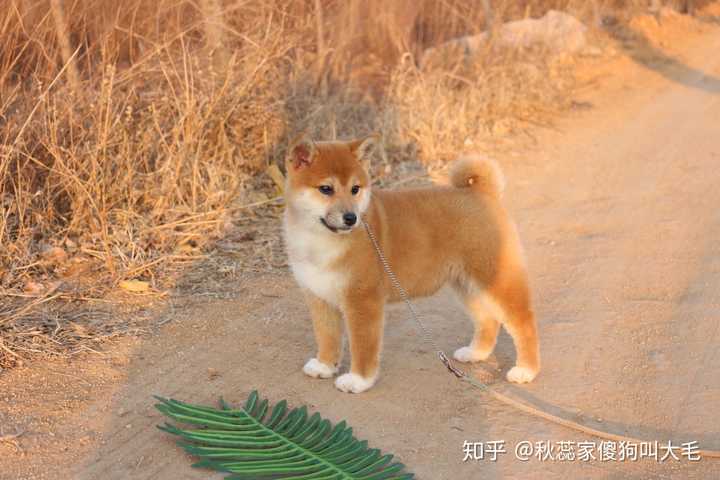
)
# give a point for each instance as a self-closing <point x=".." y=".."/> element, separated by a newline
<point x="257" y="442"/>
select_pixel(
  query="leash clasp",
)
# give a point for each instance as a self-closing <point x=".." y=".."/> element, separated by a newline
<point x="448" y="364"/>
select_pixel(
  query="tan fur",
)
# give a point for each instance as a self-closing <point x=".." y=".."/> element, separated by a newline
<point x="479" y="173"/>
<point x="327" y="323"/>
<point x="458" y="234"/>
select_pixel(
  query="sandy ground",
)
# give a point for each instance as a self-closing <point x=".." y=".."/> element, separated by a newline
<point x="618" y="209"/>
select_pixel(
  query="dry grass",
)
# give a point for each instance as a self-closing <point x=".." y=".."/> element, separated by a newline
<point x="132" y="133"/>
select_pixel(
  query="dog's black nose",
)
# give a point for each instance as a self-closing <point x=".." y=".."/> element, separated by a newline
<point x="350" y="219"/>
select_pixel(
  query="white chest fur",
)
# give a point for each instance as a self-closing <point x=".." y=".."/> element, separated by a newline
<point x="312" y="255"/>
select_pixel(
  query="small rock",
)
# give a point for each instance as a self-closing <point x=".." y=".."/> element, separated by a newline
<point x="558" y="31"/>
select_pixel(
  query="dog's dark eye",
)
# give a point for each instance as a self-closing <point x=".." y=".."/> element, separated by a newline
<point x="355" y="189"/>
<point x="326" y="189"/>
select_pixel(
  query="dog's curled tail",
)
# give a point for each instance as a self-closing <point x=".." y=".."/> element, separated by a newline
<point x="479" y="173"/>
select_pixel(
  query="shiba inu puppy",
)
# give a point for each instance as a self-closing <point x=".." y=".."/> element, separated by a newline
<point x="458" y="235"/>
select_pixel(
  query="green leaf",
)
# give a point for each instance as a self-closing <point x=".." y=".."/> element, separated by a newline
<point x="259" y="442"/>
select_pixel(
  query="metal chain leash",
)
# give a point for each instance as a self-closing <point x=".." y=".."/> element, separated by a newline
<point x="405" y="298"/>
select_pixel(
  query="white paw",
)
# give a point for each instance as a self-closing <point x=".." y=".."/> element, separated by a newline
<point x="353" y="383"/>
<point x="469" y="354"/>
<point x="316" y="369"/>
<point x="521" y="375"/>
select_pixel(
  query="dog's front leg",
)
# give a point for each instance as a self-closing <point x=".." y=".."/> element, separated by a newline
<point x="327" y="323"/>
<point x="364" y="317"/>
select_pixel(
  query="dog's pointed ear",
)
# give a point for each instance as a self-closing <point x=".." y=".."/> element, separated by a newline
<point x="363" y="147"/>
<point x="302" y="153"/>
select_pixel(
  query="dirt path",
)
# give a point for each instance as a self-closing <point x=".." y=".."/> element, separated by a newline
<point x="618" y="210"/>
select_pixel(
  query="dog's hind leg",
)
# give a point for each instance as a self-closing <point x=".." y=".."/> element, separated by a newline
<point x="487" y="325"/>
<point x="512" y="296"/>
<point x="327" y="323"/>
<point x="506" y="302"/>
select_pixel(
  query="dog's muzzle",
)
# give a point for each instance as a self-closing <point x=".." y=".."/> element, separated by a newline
<point x="343" y="229"/>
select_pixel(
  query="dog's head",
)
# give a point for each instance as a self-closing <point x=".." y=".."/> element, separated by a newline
<point x="328" y="183"/>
